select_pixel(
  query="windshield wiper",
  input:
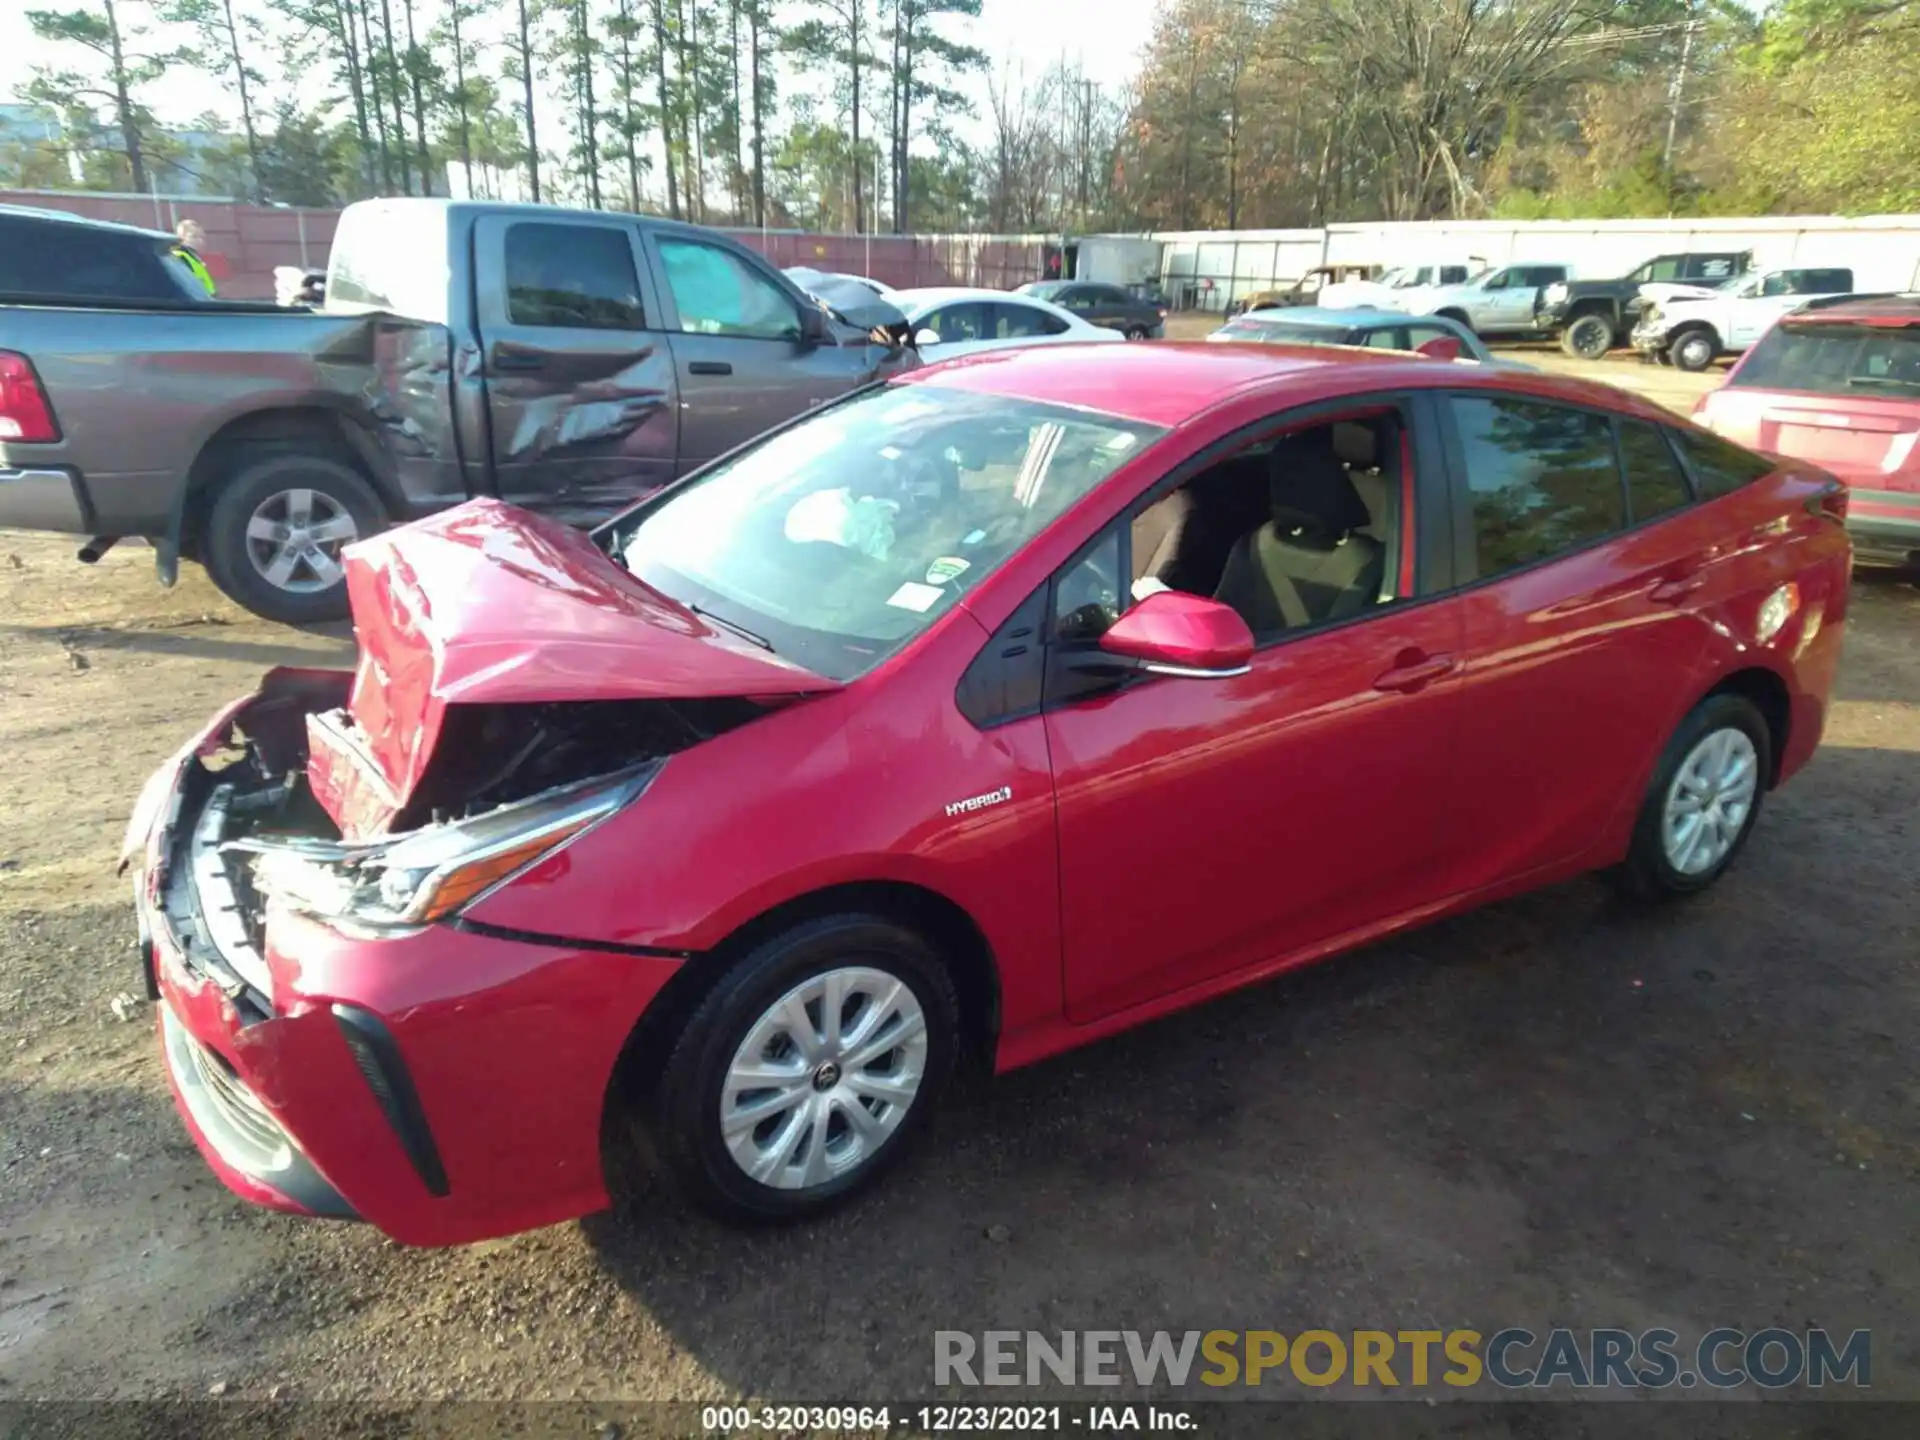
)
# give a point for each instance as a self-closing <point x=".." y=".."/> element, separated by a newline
<point x="752" y="637"/>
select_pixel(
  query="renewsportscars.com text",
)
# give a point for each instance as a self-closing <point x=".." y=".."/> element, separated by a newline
<point x="1511" y="1359"/>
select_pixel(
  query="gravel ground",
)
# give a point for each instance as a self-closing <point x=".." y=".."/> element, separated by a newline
<point x="1555" y="1111"/>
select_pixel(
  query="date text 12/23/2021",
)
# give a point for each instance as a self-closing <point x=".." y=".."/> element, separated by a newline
<point x="943" y="1419"/>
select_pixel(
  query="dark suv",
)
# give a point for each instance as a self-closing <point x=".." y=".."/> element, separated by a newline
<point x="1591" y="316"/>
<point x="1101" y="304"/>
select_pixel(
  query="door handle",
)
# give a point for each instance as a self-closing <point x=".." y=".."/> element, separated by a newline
<point x="709" y="367"/>
<point x="1415" y="671"/>
<point x="504" y="359"/>
<point x="1675" y="590"/>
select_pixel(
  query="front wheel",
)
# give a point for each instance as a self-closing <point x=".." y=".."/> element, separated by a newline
<point x="1693" y="351"/>
<point x="807" y="1070"/>
<point x="1589" y="337"/>
<point x="1135" y="332"/>
<point x="1703" y="801"/>
<point x="274" y="535"/>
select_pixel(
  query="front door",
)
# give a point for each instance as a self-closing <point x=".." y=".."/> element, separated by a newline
<point x="580" y="383"/>
<point x="742" y="358"/>
<point x="1581" y="640"/>
<point x="1209" y="825"/>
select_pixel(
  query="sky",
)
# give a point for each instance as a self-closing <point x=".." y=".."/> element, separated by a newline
<point x="1104" y="36"/>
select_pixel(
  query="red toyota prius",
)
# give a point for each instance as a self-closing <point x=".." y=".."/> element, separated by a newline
<point x="995" y="709"/>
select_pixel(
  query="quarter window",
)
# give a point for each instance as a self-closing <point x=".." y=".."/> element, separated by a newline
<point x="577" y="276"/>
<point x="1719" y="467"/>
<point x="719" y="293"/>
<point x="1655" y="482"/>
<point x="1542" y="478"/>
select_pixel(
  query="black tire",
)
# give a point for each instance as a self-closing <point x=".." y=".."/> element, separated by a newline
<point x="682" y="1117"/>
<point x="1135" y="332"/>
<point x="1693" y="350"/>
<point x="256" y="479"/>
<point x="1588" y="337"/>
<point x="1648" y="873"/>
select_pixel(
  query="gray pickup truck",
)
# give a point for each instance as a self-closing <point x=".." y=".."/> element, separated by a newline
<point x="565" y="360"/>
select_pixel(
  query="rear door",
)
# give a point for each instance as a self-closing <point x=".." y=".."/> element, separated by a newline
<point x="742" y="359"/>
<point x="579" y="379"/>
<point x="1581" y="647"/>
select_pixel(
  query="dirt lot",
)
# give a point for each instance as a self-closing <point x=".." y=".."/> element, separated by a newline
<point x="1557" y="1111"/>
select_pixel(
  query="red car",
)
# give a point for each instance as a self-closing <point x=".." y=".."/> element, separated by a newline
<point x="1838" y="383"/>
<point x="992" y="710"/>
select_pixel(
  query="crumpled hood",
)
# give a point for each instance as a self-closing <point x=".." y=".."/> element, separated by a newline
<point x="490" y="603"/>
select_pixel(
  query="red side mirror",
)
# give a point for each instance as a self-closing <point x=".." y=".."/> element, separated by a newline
<point x="1174" y="633"/>
<point x="1441" y="347"/>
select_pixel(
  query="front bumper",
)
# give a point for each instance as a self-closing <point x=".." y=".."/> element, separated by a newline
<point x="444" y="1085"/>
<point x="1885" y="526"/>
<point x="1649" y="339"/>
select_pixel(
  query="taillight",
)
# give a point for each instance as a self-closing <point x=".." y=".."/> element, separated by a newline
<point x="1830" y="503"/>
<point x="25" y="415"/>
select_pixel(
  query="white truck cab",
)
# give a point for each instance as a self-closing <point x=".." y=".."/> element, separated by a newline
<point x="1691" y="326"/>
<point x="1500" y="302"/>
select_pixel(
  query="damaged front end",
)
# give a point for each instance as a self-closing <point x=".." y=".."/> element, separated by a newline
<point x="253" y="815"/>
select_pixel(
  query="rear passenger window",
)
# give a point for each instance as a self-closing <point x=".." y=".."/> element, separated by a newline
<point x="59" y="258"/>
<point x="1542" y="478"/>
<point x="1655" y="482"/>
<point x="1719" y="467"/>
<point x="577" y="276"/>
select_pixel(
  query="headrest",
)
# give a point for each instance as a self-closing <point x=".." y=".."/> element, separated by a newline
<point x="1356" y="443"/>
<point x="1308" y="488"/>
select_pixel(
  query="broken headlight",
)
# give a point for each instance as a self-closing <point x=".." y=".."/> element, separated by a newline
<point x="437" y="870"/>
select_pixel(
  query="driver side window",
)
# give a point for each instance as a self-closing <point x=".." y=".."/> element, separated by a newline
<point x="1294" y="532"/>
<point x="718" y="293"/>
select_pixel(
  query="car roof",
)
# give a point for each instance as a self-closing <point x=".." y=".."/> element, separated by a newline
<point x="1890" y="310"/>
<point x="67" y="217"/>
<point x="1168" y="384"/>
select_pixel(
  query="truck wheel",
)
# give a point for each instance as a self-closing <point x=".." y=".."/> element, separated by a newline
<point x="1693" y="351"/>
<point x="275" y="532"/>
<point x="1588" y="337"/>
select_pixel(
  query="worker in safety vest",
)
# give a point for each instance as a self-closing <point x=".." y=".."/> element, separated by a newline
<point x="192" y="237"/>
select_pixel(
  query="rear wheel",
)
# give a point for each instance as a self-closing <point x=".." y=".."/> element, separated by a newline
<point x="1703" y="801"/>
<point x="808" y="1069"/>
<point x="275" y="532"/>
<point x="1693" y="350"/>
<point x="1588" y="337"/>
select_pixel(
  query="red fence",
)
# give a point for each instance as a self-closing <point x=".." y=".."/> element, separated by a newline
<point x="245" y="242"/>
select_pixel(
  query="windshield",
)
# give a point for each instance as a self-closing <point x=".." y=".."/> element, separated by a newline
<point x="1835" y="359"/>
<point x="837" y="540"/>
<point x="1045" y="289"/>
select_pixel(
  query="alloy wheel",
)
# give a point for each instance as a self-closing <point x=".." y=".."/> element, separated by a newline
<point x="294" y="538"/>
<point x="1709" y="800"/>
<point x="824" y="1077"/>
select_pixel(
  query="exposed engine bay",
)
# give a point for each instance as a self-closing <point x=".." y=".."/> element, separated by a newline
<point x="259" y="818"/>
